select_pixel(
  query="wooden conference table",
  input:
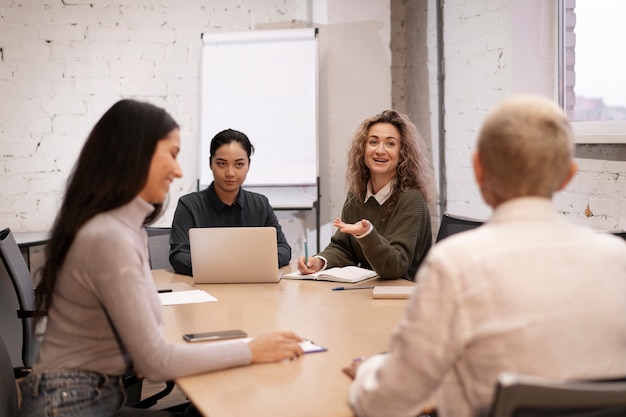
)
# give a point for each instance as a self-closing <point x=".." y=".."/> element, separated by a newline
<point x="348" y="323"/>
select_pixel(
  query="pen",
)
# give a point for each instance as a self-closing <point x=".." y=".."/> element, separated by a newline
<point x="162" y="291"/>
<point x="362" y="287"/>
<point x="306" y="253"/>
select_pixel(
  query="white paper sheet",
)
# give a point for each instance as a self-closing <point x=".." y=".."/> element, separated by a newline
<point x="185" y="297"/>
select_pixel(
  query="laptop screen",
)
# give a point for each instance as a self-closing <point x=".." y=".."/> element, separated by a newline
<point x="234" y="254"/>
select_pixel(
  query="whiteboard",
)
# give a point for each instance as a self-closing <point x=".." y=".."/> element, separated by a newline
<point x="264" y="84"/>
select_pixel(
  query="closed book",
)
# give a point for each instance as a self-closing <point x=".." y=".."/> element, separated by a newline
<point x="392" y="291"/>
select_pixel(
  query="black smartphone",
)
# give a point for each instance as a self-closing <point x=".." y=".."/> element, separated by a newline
<point x="219" y="335"/>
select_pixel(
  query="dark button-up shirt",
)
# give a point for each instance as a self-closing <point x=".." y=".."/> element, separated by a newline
<point x="205" y="209"/>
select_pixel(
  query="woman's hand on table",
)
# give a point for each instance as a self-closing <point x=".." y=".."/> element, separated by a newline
<point x="275" y="347"/>
<point x="351" y="369"/>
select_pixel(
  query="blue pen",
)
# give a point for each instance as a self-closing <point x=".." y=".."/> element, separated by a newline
<point x="306" y="254"/>
<point x="362" y="287"/>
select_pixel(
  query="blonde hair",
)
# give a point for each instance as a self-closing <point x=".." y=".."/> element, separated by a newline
<point x="526" y="148"/>
<point x="414" y="169"/>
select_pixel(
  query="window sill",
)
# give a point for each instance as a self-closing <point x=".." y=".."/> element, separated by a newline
<point x="603" y="132"/>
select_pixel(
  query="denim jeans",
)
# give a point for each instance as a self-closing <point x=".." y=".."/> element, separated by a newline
<point x="72" y="393"/>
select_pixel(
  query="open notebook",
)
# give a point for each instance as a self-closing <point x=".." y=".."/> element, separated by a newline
<point x="234" y="254"/>
<point x="347" y="274"/>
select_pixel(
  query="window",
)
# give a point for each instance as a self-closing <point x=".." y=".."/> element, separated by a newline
<point x="592" y="83"/>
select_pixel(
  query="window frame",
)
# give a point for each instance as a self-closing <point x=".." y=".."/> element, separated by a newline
<point x="587" y="132"/>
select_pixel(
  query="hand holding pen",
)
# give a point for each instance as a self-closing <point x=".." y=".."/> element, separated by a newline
<point x="313" y="265"/>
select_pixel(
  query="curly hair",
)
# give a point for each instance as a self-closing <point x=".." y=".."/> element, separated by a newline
<point x="414" y="169"/>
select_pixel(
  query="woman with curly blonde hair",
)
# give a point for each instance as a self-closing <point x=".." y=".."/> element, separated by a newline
<point x="385" y="222"/>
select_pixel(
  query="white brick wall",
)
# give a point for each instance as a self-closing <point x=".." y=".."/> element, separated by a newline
<point x="477" y="38"/>
<point x="62" y="64"/>
<point x="490" y="55"/>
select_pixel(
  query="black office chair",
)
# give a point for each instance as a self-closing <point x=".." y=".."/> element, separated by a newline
<point x="15" y="270"/>
<point x="159" y="247"/>
<point x="8" y="388"/>
<point x="619" y="233"/>
<point x="452" y="224"/>
<point x="524" y="396"/>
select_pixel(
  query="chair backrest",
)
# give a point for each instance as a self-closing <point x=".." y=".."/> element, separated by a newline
<point x="159" y="247"/>
<point x="14" y="268"/>
<point x="619" y="233"/>
<point x="523" y="396"/>
<point x="8" y="389"/>
<point x="451" y="224"/>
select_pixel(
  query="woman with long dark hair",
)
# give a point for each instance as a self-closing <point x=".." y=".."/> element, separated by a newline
<point x="104" y="314"/>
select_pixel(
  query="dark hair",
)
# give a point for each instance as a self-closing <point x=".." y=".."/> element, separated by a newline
<point x="227" y="136"/>
<point x="111" y="171"/>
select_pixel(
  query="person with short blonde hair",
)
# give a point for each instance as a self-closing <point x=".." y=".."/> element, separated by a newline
<point x="526" y="147"/>
<point x="527" y="292"/>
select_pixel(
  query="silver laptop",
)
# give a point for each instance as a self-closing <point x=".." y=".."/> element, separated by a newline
<point x="234" y="254"/>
